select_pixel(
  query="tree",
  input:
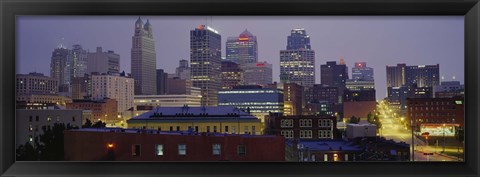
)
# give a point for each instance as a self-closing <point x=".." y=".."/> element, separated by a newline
<point x="48" y="145"/>
<point x="354" y="120"/>
<point x="370" y="117"/>
<point x="98" y="124"/>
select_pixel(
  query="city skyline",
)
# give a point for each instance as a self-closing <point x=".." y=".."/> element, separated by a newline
<point x="379" y="41"/>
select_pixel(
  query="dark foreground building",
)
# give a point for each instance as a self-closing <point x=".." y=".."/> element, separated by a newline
<point x="151" y="145"/>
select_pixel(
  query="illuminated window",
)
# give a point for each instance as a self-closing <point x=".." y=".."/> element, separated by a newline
<point x="182" y="149"/>
<point x="216" y="149"/>
<point x="159" y="149"/>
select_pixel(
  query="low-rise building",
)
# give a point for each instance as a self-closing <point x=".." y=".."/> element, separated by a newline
<point x="361" y="130"/>
<point x="153" y="145"/>
<point x="103" y="110"/>
<point x="322" y="151"/>
<point x="306" y="127"/>
<point x="221" y="119"/>
<point x="30" y="122"/>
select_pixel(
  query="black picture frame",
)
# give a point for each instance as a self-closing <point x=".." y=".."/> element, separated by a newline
<point x="9" y="9"/>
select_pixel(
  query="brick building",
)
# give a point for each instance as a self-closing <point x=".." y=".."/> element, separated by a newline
<point x="307" y="127"/>
<point x="152" y="145"/>
<point x="437" y="113"/>
<point x="105" y="110"/>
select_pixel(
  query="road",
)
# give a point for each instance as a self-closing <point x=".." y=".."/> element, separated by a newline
<point x="392" y="128"/>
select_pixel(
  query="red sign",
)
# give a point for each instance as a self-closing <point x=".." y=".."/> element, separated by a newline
<point x="260" y="64"/>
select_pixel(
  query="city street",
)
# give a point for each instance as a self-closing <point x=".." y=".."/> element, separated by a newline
<point x="392" y="128"/>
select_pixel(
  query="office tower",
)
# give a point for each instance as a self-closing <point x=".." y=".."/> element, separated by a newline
<point x="232" y="75"/>
<point x="333" y="74"/>
<point x="253" y="99"/>
<point x="76" y="63"/>
<point x="143" y="61"/>
<point x="396" y="75"/>
<point x="113" y="87"/>
<point x="292" y="99"/>
<point x="297" y="63"/>
<point x="361" y="72"/>
<point x="183" y="70"/>
<point x="423" y="75"/>
<point x="205" y="61"/>
<point x="36" y="84"/>
<point x="242" y="49"/>
<point x="82" y="87"/>
<point x="258" y="73"/>
<point x="58" y="64"/>
<point x="103" y="62"/>
<point x="161" y="82"/>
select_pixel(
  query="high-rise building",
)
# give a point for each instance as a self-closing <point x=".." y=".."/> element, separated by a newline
<point x="254" y="99"/>
<point x="183" y="70"/>
<point x="82" y="87"/>
<point x="361" y="72"/>
<point x="76" y="63"/>
<point x="421" y="75"/>
<point x="333" y="74"/>
<point x="58" y="64"/>
<point x="103" y="62"/>
<point x="36" y="84"/>
<point x="297" y="63"/>
<point x="161" y="82"/>
<point x="143" y="61"/>
<point x="113" y="87"/>
<point x="258" y="73"/>
<point x="292" y="99"/>
<point x="232" y="75"/>
<point x="242" y="49"/>
<point x="205" y="61"/>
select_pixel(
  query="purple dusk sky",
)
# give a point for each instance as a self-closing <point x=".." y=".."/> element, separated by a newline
<point x="377" y="40"/>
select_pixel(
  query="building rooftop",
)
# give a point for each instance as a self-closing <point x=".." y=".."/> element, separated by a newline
<point x="329" y="146"/>
<point x="151" y="131"/>
<point x="185" y="112"/>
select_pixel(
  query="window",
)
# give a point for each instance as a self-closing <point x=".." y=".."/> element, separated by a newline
<point x="159" y="149"/>
<point x="226" y="129"/>
<point x="31" y="138"/>
<point x="286" y="123"/>
<point x="182" y="149"/>
<point x="73" y="119"/>
<point x="196" y="128"/>
<point x="30" y="128"/>
<point x="234" y="130"/>
<point x="36" y="118"/>
<point x="241" y="150"/>
<point x="136" y="150"/>
<point x="287" y="133"/>
<point x="171" y="128"/>
<point x="215" y="129"/>
<point x="178" y="128"/>
<point x="325" y="157"/>
<point x="305" y="133"/>
<point x="346" y="157"/>
<point x="253" y="130"/>
<point x="305" y="122"/>
<point x="245" y="129"/>
<point x="30" y="119"/>
<point x="216" y="149"/>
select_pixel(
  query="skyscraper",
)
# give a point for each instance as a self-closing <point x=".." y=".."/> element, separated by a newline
<point x="76" y="63"/>
<point x="183" y="70"/>
<point x="242" y="49"/>
<point x="258" y="73"/>
<point x="143" y="63"/>
<point x="333" y="74"/>
<point x="232" y="75"/>
<point x="396" y="75"/>
<point x="205" y="61"/>
<point x="361" y="72"/>
<point x="58" y="64"/>
<point x="103" y="62"/>
<point x="421" y="75"/>
<point x="161" y="82"/>
<point x="297" y="63"/>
